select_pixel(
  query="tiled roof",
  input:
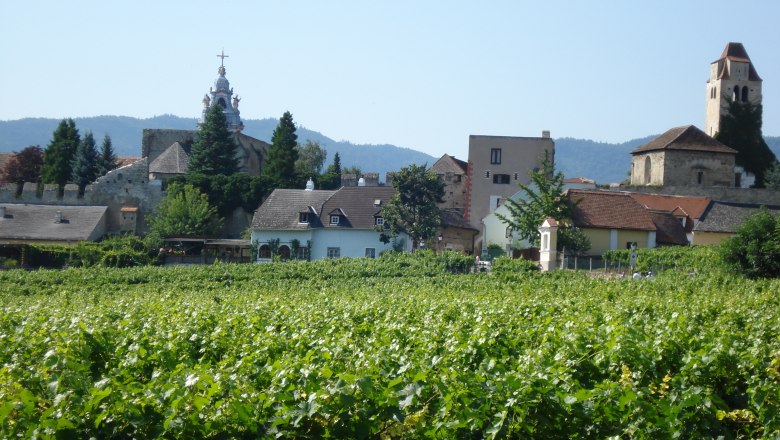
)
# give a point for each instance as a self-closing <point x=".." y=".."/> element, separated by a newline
<point x="357" y="203"/>
<point x="737" y="52"/>
<point x="174" y="160"/>
<point x="688" y="138"/>
<point x="727" y="217"/>
<point x="579" y="180"/>
<point x="449" y="164"/>
<point x="453" y="218"/>
<point x="282" y="208"/>
<point x="126" y="160"/>
<point x="691" y="207"/>
<point x="668" y="230"/>
<point x="610" y="210"/>
<point x="37" y="222"/>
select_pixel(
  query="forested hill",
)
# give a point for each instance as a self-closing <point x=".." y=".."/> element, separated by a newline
<point x="601" y="161"/>
<point x="126" y="132"/>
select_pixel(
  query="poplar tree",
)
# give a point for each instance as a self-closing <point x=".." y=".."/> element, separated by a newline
<point x="85" y="162"/>
<point x="214" y="150"/>
<point x="59" y="154"/>
<point x="107" y="159"/>
<point x="280" y="166"/>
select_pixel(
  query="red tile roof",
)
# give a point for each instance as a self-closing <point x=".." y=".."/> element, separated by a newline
<point x="608" y="210"/>
<point x="688" y="138"/>
<point x="693" y="207"/>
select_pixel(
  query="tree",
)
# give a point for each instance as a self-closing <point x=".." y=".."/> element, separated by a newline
<point x="413" y="209"/>
<point x="772" y="177"/>
<point x="354" y="169"/>
<point x="332" y="177"/>
<point x="311" y="158"/>
<point x="107" y="159"/>
<point x="544" y="197"/>
<point x="755" y="250"/>
<point x="214" y="150"/>
<point x="185" y="211"/>
<point x="740" y="129"/>
<point x="24" y="166"/>
<point x="85" y="162"/>
<point x="280" y="166"/>
<point x="59" y="154"/>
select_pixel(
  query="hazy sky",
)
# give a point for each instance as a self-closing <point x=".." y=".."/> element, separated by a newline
<point x="417" y="74"/>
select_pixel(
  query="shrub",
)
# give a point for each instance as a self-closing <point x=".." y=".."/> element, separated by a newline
<point x="755" y="251"/>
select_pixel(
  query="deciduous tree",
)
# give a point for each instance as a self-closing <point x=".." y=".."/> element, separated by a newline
<point x="59" y="154"/>
<point x="311" y="157"/>
<point x="24" y="166"/>
<point x="413" y="209"/>
<point x="185" y="211"/>
<point x="85" y="162"/>
<point x="214" y="150"/>
<point x="280" y="166"/>
<point x="755" y="250"/>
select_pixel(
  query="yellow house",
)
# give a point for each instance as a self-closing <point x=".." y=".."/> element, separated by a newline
<point x="721" y="220"/>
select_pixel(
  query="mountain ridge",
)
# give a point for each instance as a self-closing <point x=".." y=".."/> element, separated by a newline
<point x="602" y="161"/>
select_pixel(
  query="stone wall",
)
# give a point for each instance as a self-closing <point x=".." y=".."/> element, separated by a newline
<point x="683" y="167"/>
<point x="734" y="195"/>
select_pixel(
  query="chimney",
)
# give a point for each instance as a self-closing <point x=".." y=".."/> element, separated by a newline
<point x="58" y="217"/>
<point x="309" y="185"/>
<point x="546" y="134"/>
<point x="361" y="182"/>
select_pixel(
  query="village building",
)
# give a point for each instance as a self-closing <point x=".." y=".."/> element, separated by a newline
<point x="722" y="219"/>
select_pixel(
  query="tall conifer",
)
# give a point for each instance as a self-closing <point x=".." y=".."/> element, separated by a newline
<point x="214" y="151"/>
<point x="85" y="162"/>
<point x="107" y="159"/>
<point x="59" y="153"/>
<point x="280" y="166"/>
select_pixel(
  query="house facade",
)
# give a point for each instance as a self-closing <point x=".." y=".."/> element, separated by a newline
<point x="317" y="224"/>
<point x="722" y="219"/>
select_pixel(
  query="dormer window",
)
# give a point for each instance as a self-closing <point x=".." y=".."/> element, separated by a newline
<point x="303" y="217"/>
<point x="335" y="219"/>
<point x="379" y="221"/>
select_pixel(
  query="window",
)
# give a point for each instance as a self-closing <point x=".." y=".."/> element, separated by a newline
<point x="495" y="156"/>
<point x="517" y="175"/>
<point x="334" y="252"/>
<point x="334" y="219"/>
<point x="379" y="221"/>
<point x="456" y="178"/>
<point x="370" y="253"/>
<point x="699" y="177"/>
<point x="264" y="251"/>
<point x="508" y="232"/>
<point x="303" y="217"/>
<point x="738" y="180"/>
<point x="744" y="94"/>
<point x="648" y="169"/>
<point x="487" y="174"/>
<point x="284" y="252"/>
<point x="501" y="179"/>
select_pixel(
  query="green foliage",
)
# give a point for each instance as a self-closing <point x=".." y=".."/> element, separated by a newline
<point x="413" y="209"/>
<point x="116" y="251"/>
<point x="511" y="268"/>
<point x="185" y="212"/>
<point x="543" y="198"/>
<point x="311" y="157"/>
<point x="59" y="154"/>
<point x="214" y="150"/>
<point x="24" y="166"/>
<point x="700" y="259"/>
<point x="331" y="179"/>
<point x="772" y="177"/>
<point x="280" y="163"/>
<point x="107" y="160"/>
<point x="755" y="250"/>
<point x="359" y="348"/>
<point x="85" y="162"/>
<point x="740" y="129"/>
<point x="226" y="193"/>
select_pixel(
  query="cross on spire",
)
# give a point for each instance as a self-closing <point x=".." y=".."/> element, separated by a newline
<point x="223" y="56"/>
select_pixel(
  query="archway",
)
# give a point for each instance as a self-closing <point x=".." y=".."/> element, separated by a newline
<point x="284" y="252"/>
<point x="648" y="169"/>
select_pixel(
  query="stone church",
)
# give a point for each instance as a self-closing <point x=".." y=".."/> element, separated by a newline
<point x="687" y="156"/>
<point x="168" y="150"/>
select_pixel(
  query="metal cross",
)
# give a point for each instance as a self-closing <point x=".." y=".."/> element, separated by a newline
<point x="223" y="56"/>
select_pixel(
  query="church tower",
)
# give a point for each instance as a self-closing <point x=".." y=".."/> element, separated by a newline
<point x="732" y="77"/>
<point x="222" y="95"/>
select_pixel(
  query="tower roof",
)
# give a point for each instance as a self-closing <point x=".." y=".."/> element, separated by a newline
<point x="687" y="137"/>
<point x="736" y="52"/>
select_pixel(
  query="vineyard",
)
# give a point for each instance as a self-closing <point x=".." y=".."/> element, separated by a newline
<point x="398" y="347"/>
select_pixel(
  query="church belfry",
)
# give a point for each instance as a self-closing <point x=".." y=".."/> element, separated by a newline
<point x="222" y="95"/>
<point x="732" y="78"/>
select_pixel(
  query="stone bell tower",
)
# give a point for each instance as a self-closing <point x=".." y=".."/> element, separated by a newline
<point x="732" y="78"/>
<point x="222" y="95"/>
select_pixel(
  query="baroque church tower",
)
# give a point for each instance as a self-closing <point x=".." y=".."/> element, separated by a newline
<point x="222" y="95"/>
<point x="732" y="78"/>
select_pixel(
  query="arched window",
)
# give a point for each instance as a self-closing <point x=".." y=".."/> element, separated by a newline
<point x="648" y="167"/>
<point x="222" y="102"/>
<point x="744" y="93"/>
<point x="284" y="252"/>
<point x="264" y="251"/>
<point x="735" y="94"/>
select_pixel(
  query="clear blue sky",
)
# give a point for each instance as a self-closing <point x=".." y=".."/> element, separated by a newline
<point x="417" y="74"/>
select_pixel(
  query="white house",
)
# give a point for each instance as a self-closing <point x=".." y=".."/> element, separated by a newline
<point x="316" y="224"/>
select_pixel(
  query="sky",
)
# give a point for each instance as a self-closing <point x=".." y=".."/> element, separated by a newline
<point x="417" y="74"/>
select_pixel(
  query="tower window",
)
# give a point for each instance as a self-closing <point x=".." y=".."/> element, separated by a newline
<point x="487" y="174"/>
<point x="222" y="102"/>
<point x="735" y="94"/>
<point x="744" y="93"/>
<point x="699" y="177"/>
<point x="648" y="166"/>
<point x="495" y="156"/>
